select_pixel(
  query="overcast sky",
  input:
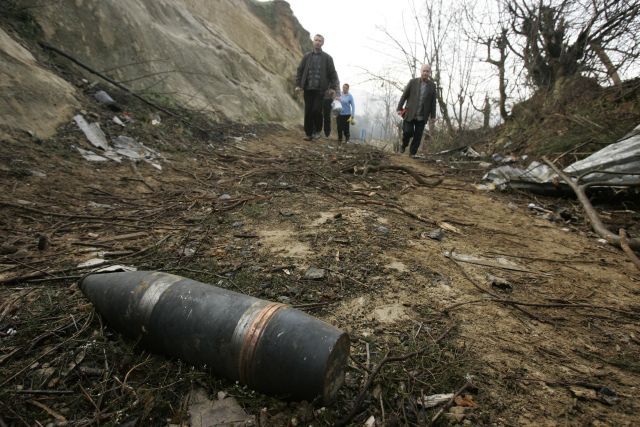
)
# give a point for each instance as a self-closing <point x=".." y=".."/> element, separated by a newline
<point x="349" y="27"/>
<point x="352" y="37"/>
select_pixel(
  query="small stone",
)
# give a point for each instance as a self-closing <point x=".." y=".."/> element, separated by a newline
<point x="437" y="234"/>
<point x="187" y="252"/>
<point x="382" y="229"/>
<point x="43" y="242"/>
<point x="314" y="273"/>
<point x="284" y="299"/>
<point x="292" y="290"/>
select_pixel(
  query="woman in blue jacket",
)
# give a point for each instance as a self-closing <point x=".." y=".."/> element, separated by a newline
<point x="345" y="118"/>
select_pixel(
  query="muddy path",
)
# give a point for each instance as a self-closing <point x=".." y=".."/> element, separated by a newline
<point x="536" y="319"/>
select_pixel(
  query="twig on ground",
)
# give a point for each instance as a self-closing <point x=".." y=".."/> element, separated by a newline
<point x="400" y="208"/>
<point x="596" y="222"/>
<point x="517" y="304"/>
<point x="386" y="359"/>
<point x="624" y="243"/>
<point x="447" y="405"/>
<point x="366" y="169"/>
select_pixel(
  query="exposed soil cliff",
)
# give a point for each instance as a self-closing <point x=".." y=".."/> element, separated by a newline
<point x="33" y="98"/>
<point x="215" y="56"/>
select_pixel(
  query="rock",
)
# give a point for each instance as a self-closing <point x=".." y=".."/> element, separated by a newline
<point x="104" y="98"/>
<point x="382" y="229"/>
<point x="314" y="273"/>
<point x="437" y="234"/>
<point x="224" y="411"/>
<point x="43" y="242"/>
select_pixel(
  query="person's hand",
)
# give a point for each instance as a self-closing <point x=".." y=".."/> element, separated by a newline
<point x="297" y="89"/>
<point x="402" y="112"/>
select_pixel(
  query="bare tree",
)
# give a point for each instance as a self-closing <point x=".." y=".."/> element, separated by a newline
<point x="500" y="43"/>
<point x="437" y="27"/>
<point x="562" y="38"/>
<point x="487" y="24"/>
<point x="485" y="110"/>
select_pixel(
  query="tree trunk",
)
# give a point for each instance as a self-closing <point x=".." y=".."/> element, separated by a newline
<point x="486" y="112"/>
<point x="444" y="112"/>
<point x="606" y="61"/>
<point x="501" y="44"/>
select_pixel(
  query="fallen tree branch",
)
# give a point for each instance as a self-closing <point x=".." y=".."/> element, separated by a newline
<point x="492" y="295"/>
<point x="596" y="222"/>
<point x="450" y="403"/>
<point x="517" y="304"/>
<point x="387" y="359"/>
<point x="108" y="79"/>
<point x="366" y="169"/>
<point x="400" y="208"/>
<point x="624" y="244"/>
<point x="127" y="90"/>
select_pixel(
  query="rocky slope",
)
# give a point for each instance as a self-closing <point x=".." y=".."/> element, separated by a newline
<point x="32" y="98"/>
<point x="234" y="59"/>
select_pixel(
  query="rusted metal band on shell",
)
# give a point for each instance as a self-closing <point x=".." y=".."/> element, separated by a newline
<point x="251" y="339"/>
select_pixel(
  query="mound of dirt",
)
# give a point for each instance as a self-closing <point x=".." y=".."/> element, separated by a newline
<point x="576" y="118"/>
<point x="218" y="57"/>
<point x="517" y="318"/>
<point x="33" y="98"/>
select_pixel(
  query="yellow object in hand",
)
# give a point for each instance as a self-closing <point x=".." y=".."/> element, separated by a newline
<point x="352" y="122"/>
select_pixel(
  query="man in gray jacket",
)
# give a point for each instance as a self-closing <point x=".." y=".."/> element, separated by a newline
<point x="316" y="75"/>
<point x="420" y="98"/>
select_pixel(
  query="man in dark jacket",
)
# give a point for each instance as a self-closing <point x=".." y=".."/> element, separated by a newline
<point x="316" y="74"/>
<point x="420" y="98"/>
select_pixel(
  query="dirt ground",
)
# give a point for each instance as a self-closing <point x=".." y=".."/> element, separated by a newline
<point x="529" y="317"/>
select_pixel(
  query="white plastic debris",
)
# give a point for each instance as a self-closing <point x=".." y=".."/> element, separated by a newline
<point x="92" y="131"/>
<point x="93" y="262"/>
<point x="434" y="400"/>
<point x="90" y="155"/>
<point x="117" y="121"/>
<point x="618" y="158"/>
<point x="104" y="98"/>
<point x="114" y="268"/>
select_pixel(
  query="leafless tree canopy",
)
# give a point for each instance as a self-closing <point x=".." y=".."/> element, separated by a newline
<point x="556" y="39"/>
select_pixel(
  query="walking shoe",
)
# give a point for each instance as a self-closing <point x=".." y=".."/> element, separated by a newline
<point x="308" y="138"/>
<point x="402" y="148"/>
<point x="315" y="135"/>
